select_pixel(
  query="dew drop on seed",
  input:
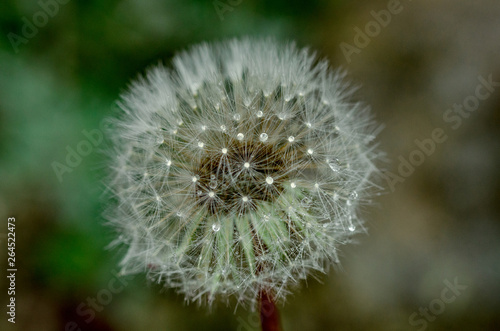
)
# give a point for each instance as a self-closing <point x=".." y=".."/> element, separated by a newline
<point x="211" y="194"/>
<point x="308" y="124"/>
<point x="194" y="179"/>
<point x="316" y="185"/>
<point x="224" y="151"/>
<point x="334" y="165"/>
<point x="263" y="136"/>
<point x="223" y="128"/>
<point x="265" y="218"/>
<point x="260" y="113"/>
<point x="349" y="202"/>
<point x="240" y="136"/>
<point x="269" y="180"/>
<point x="237" y="117"/>
<point x="199" y="192"/>
<point x="158" y="198"/>
<point x="213" y="184"/>
<point x="353" y="195"/>
<point x="291" y="138"/>
<point x="200" y="144"/>
<point x="160" y="140"/>
<point x="216" y="227"/>
<point x="168" y="162"/>
<point x="246" y="165"/>
<point x="310" y="151"/>
<point x="352" y="228"/>
<point x="293" y="185"/>
<point x="245" y="199"/>
<point x="203" y="127"/>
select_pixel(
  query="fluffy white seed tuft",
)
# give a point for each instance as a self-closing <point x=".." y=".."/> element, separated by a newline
<point x="240" y="170"/>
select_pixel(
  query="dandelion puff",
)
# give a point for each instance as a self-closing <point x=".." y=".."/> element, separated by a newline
<point x="240" y="171"/>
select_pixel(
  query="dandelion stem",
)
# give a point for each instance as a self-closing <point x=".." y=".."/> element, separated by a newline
<point x="269" y="314"/>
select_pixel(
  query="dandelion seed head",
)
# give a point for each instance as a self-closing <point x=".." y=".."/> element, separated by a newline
<point x="240" y="169"/>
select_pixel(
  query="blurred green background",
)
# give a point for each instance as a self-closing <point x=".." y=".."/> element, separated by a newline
<point x="441" y="223"/>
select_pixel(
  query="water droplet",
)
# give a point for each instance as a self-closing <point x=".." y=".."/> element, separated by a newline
<point x="216" y="227"/>
<point x="293" y="185"/>
<point x="211" y="194"/>
<point x="281" y="116"/>
<point x="353" y="195"/>
<point x="199" y="192"/>
<point x="179" y="214"/>
<point x="203" y="127"/>
<point x="180" y="122"/>
<point x="245" y="199"/>
<point x="224" y="151"/>
<point x="352" y="228"/>
<point x="223" y="128"/>
<point x="349" y="202"/>
<point x="260" y="113"/>
<point x="200" y="144"/>
<point x="194" y="179"/>
<point x="237" y="117"/>
<point x="291" y="138"/>
<point x="263" y="136"/>
<point x="310" y="151"/>
<point x="316" y="185"/>
<point x="246" y="165"/>
<point x="334" y="164"/>
<point x="269" y="180"/>
<point x="308" y="124"/>
<point x="240" y="136"/>
<point x="168" y="162"/>
<point x="265" y="218"/>
<point x="212" y="176"/>
<point x="160" y="140"/>
<point x="158" y="198"/>
<point x="213" y="183"/>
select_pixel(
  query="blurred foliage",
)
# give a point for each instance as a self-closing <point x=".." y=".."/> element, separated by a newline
<point x="65" y="79"/>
